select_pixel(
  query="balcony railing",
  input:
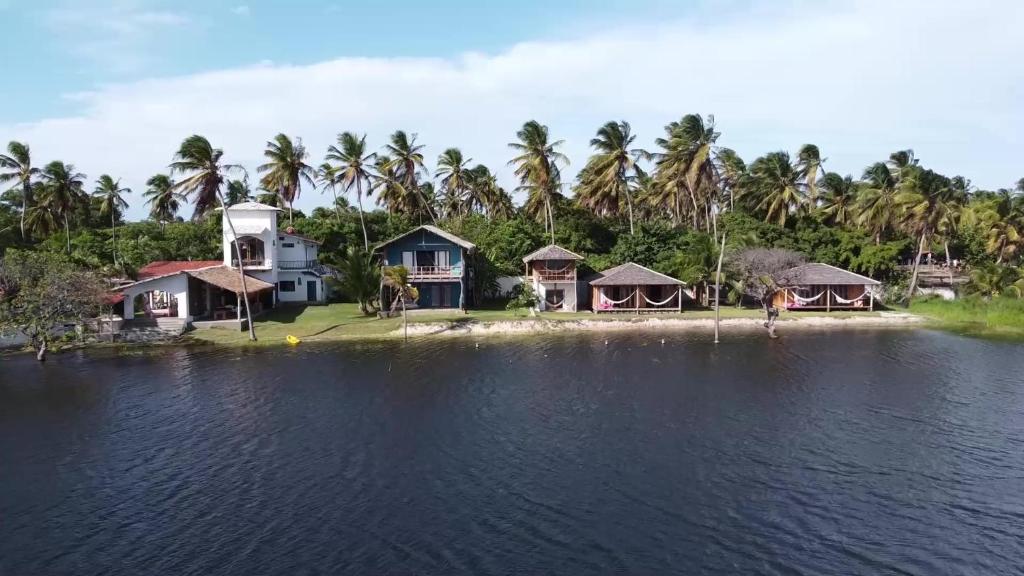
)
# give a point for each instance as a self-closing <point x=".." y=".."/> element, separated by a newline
<point x="250" y="262"/>
<point x="556" y="275"/>
<point x="297" y="264"/>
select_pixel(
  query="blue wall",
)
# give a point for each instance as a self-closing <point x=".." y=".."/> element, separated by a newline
<point x="426" y="300"/>
<point x="421" y="240"/>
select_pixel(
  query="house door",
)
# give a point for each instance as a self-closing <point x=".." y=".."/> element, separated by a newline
<point x="310" y="290"/>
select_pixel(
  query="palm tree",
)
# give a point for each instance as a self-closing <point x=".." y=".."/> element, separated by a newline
<point x="732" y="173"/>
<point x="840" y="196"/>
<point x="352" y="170"/>
<point x="809" y="162"/>
<point x="397" y="279"/>
<point x="406" y="163"/>
<point x="536" y="166"/>
<point x="64" y="192"/>
<point x="286" y="169"/>
<point x="453" y="170"/>
<point x="613" y="172"/>
<point x="109" y="192"/>
<point x="485" y="193"/>
<point x="42" y="219"/>
<point x="390" y="191"/>
<point x="238" y="191"/>
<point x="900" y="161"/>
<point x="163" y="200"/>
<point x="17" y="166"/>
<point x="204" y="174"/>
<point x="922" y="202"/>
<point x="875" y="210"/>
<point x="360" y="277"/>
<point x="686" y="168"/>
<point x="776" y="185"/>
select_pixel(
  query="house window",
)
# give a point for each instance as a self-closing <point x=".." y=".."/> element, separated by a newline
<point x="251" y="250"/>
<point x="288" y="245"/>
<point x="286" y="285"/>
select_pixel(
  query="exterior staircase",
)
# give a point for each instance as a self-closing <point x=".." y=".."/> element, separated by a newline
<point x="152" y="329"/>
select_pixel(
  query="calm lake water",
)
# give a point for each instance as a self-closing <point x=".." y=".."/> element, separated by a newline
<point x="869" y="452"/>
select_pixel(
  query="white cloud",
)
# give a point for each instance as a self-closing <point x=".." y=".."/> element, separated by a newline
<point x="241" y="10"/>
<point x="858" y="80"/>
<point x="115" y="38"/>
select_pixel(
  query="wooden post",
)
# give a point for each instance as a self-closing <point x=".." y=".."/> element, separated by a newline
<point x="637" y="296"/>
<point x="718" y="286"/>
<point x="828" y="298"/>
<point x="871" y="307"/>
<point x="679" y="298"/>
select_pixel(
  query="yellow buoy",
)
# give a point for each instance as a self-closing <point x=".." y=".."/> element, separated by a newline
<point x="292" y="339"/>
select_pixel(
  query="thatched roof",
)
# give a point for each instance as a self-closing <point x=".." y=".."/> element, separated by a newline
<point x="631" y="274"/>
<point x="552" y="252"/>
<point x="434" y="230"/>
<point x="817" y="274"/>
<point x="228" y="279"/>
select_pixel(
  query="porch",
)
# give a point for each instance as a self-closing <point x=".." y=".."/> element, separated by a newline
<point x="637" y="299"/>
<point x="826" y="297"/>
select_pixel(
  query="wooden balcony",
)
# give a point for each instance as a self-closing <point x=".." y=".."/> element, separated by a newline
<point x="250" y="263"/>
<point x="435" y="272"/>
<point x="554" y="276"/>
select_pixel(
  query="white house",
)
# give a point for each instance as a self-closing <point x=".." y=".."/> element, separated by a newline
<point x="552" y="273"/>
<point x="280" y="267"/>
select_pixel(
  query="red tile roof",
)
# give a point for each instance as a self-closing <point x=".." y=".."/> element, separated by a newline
<point x="165" y="267"/>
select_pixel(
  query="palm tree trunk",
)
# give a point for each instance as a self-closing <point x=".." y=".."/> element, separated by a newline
<point x="337" y="209"/>
<point x="629" y="203"/>
<point x="25" y="193"/>
<point x="67" y="231"/>
<point x="113" y="238"/>
<point x="551" y="217"/>
<point x="949" y="263"/>
<point x="917" y="264"/>
<point x="241" y="269"/>
<point x="289" y="212"/>
<point x="362" y="222"/>
<point x="405" y="318"/>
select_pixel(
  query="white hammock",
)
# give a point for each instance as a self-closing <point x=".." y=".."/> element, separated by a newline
<point x="803" y="300"/>
<point x="607" y="300"/>
<point x="845" y="301"/>
<point x="550" y="271"/>
<point x="554" y="304"/>
<point x="663" y="302"/>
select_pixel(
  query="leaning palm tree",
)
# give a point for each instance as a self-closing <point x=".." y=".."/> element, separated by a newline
<point x="286" y="169"/>
<point x="389" y="189"/>
<point x="204" y="173"/>
<point x="809" y="162"/>
<point x="453" y="171"/>
<point x="777" y="186"/>
<point x="406" y="163"/>
<point x="351" y="168"/>
<point x="162" y="199"/>
<point x="397" y="279"/>
<point x="42" y="219"/>
<point x="732" y="174"/>
<point x="686" y="168"/>
<point x="613" y="172"/>
<point x="536" y="166"/>
<point x="923" y="203"/>
<point x="16" y="166"/>
<point x="64" y="192"/>
<point x="109" y="192"/>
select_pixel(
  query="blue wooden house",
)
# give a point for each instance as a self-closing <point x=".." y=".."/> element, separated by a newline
<point x="437" y="262"/>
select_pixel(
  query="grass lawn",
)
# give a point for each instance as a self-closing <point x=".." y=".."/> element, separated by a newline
<point x="344" y="321"/>
<point x="996" y="318"/>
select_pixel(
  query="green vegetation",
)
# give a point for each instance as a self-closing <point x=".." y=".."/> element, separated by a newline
<point x="974" y="316"/>
<point x="665" y="206"/>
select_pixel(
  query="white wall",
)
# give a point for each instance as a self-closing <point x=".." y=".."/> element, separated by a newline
<point x="246" y="221"/>
<point x="176" y="285"/>
<point x="301" y="249"/>
<point x="300" y="294"/>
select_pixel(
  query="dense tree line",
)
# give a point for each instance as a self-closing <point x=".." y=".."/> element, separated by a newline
<point x="665" y="206"/>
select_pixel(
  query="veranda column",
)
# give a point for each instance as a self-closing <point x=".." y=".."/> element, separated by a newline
<point x="828" y="298"/>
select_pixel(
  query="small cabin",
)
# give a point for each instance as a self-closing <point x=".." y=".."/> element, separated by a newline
<point x="551" y="271"/>
<point x="437" y="262"/>
<point x="635" y="288"/>
<point x="822" y="287"/>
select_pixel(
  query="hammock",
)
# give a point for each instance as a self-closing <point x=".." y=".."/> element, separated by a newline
<point x="802" y="300"/>
<point x="663" y="302"/>
<point x="607" y="302"/>
<point x="550" y="271"/>
<point x="554" y="304"/>
<point x="845" y="301"/>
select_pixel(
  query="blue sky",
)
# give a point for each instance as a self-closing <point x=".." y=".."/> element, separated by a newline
<point x="115" y="85"/>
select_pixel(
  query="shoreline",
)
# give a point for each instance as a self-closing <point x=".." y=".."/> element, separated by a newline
<point x="545" y="326"/>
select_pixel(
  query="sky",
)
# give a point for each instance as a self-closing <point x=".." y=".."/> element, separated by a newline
<point x="114" y="86"/>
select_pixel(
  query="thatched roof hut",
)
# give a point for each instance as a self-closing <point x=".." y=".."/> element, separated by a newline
<point x="818" y="286"/>
<point x="631" y="287"/>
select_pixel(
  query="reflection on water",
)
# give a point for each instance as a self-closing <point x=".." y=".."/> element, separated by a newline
<point x="853" y="452"/>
